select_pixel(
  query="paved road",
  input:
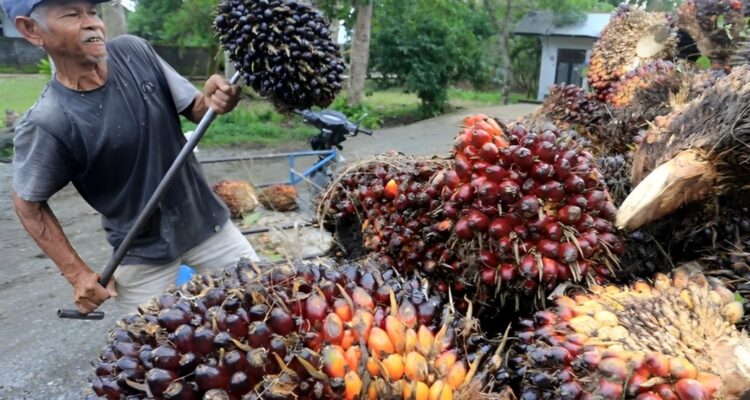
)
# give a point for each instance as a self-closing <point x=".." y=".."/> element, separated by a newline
<point x="45" y="358"/>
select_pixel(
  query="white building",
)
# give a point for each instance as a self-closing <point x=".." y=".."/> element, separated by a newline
<point x="566" y="50"/>
<point x="7" y="29"/>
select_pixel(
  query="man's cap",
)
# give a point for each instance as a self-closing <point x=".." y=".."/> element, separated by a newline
<point x="22" y="8"/>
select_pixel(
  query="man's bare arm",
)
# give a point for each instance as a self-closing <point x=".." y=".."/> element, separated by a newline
<point x="217" y="94"/>
<point x="42" y="225"/>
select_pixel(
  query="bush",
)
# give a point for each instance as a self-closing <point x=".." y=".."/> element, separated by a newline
<point x="369" y="119"/>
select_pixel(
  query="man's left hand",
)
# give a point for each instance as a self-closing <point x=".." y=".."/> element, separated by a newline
<point x="219" y="95"/>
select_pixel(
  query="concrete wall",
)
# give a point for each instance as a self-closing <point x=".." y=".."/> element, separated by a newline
<point x="19" y="54"/>
<point x="550" y="45"/>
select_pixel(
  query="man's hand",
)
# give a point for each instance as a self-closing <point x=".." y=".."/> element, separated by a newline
<point x="88" y="293"/>
<point x="219" y="95"/>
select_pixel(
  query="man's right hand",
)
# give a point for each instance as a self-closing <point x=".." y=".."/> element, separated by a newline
<point x="89" y="294"/>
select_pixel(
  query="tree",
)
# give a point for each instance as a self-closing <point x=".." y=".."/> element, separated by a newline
<point x="504" y="26"/>
<point x="148" y="19"/>
<point x="426" y="45"/>
<point x="360" y="52"/>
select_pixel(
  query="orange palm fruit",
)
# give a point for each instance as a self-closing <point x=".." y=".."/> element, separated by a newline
<point x="333" y="329"/>
<point x="372" y="391"/>
<point x="680" y="368"/>
<point x="348" y="340"/>
<point x="445" y="362"/>
<point x="410" y="340"/>
<point x="712" y="383"/>
<point x="425" y="339"/>
<point x="378" y="343"/>
<point x="362" y="299"/>
<point x="334" y="361"/>
<point x="416" y="391"/>
<point x="658" y="364"/>
<point x="362" y="324"/>
<point x="353" y="357"/>
<point x="394" y="366"/>
<point x="342" y="309"/>
<point x="396" y="332"/>
<point x="391" y="190"/>
<point x="353" y="385"/>
<point x="495" y="126"/>
<point x="456" y="375"/>
<point x="440" y="391"/>
<point x="416" y="367"/>
<point x="372" y="366"/>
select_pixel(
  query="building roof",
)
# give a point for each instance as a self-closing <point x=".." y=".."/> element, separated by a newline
<point x="542" y="23"/>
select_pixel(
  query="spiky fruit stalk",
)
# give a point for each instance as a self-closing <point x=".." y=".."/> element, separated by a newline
<point x="673" y="337"/>
<point x="283" y="49"/>
<point x="302" y="331"/>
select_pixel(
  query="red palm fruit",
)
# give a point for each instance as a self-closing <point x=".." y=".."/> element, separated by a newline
<point x="552" y="191"/>
<point x="542" y="172"/>
<point x="602" y="225"/>
<point x="463" y="229"/>
<point x="680" y="368"/>
<point x="235" y="361"/>
<point x="609" y="390"/>
<point x="500" y="227"/>
<point x="570" y="390"/>
<point x="529" y="267"/>
<point x="690" y="389"/>
<point x="239" y="383"/>
<point x="574" y="184"/>
<point x="334" y="361"/>
<point x="478" y="221"/>
<point x="665" y="391"/>
<point x="258" y="335"/>
<point x="452" y="180"/>
<point x="488" y="192"/>
<point x="508" y="272"/>
<point x="554" y="231"/>
<point x="451" y="209"/>
<point x="522" y="157"/>
<point x="615" y="243"/>
<point x="488" y="276"/>
<point x="470" y="152"/>
<point x="635" y="383"/>
<point x="595" y="199"/>
<point x="488" y="258"/>
<point x="280" y="322"/>
<point x="567" y="253"/>
<point x="544" y="150"/>
<point x="548" y="248"/>
<point x="464" y="194"/>
<point x="658" y="364"/>
<point x="480" y="137"/>
<point x="711" y="383"/>
<point x="495" y="173"/>
<point x="563" y="166"/>
<point x="208" y="377"/>
<point x="489" y="153"/>
<point x="592" y="358"/>
<point x="333" y="329"/>
<point x="463" y="169"/>
<point x="478" y="170"/>
<point x="315" y="308"/>
<point x="391" y="190"/>
<point x="159" y="379"/>
<point x="549" y="269"/>
<point x="529" y="206"/>
<point x="648" y="396"/>
<point x="569" y="214"/>
<point x="510" y="191"/>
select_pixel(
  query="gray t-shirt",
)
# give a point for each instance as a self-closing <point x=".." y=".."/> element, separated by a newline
<point x="115" y="143"/>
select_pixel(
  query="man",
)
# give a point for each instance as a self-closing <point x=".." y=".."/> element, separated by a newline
<point x="108" y="122"/>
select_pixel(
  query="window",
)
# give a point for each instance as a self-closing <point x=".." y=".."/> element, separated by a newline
<point x="570" y="64"/>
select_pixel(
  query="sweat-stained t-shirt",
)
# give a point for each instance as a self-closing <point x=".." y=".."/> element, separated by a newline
<point x="115" y="144"/>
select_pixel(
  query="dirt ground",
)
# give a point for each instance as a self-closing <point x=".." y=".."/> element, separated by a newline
<point x="43" y="357"/>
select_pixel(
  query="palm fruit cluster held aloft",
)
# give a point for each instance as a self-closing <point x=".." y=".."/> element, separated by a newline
<point x="633" y="37"/>
<point x="283" y="49"/>
<point x="672" y="340"/>
<point x="697" y="154"/>
<point x="238" y="195"/>
<point x="716" y="27"/>
<point x="301" y="331"/>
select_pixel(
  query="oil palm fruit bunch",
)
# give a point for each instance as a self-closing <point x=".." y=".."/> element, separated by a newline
<point x="672" y="339"/>
<point x="633" y="37"/>
<point x="529" y="210"/>
<point x="684" y="161"/>
<point x="717" y="28"/>
<point x="294" y="331"/>
<point x="279" y="198"/>
<point x="568" y="106"/>
<point x="238" y="195"/>
<point x="284" y="50"/>
<point x="622" y="92"/>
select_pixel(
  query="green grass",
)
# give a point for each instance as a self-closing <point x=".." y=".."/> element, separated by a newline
<point x="19" y="92"/>
<point x="255" y="121"/>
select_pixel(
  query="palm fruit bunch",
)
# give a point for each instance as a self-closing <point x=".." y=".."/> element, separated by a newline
<point x="717" y="28"/>
<point x="633" y="37"/>
<point x="294" y="331"/>
<point x="568" y="106"/>
<point x="279" y="198"/>
<point x="673" y="339"/>
<point x="622" y="92"/>
<point x="283" y="49"/>
<point x="238" y="195"/>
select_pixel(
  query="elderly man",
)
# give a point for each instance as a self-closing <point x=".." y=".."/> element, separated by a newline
<point x="109" y="123"/>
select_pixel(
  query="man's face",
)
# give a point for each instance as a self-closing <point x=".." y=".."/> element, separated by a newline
<point x="73" y="31"/>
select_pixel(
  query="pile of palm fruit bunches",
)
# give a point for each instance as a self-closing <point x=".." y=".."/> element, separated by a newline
<point x="594" y="249"/>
